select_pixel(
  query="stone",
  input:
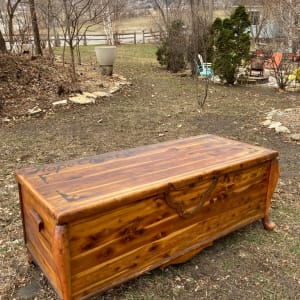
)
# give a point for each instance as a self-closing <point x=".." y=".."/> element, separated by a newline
<point x="122" y="78"/>
<point x="60" y="102"/>
<point x="266" y="123"/>
<point x="29" y="291"/>
<point x="125" y="83"/>
<point x="282" y="129"/>
<point x="295" y="137"/>
<point x="89" y="95"/>
<point x="84" y="98"/>
<point x="101" y="94"/>
<point x="6" y="120"/>
<point x="274" y="125"/>
<point x="34" y="111"/>
<point x="114" y="89"/>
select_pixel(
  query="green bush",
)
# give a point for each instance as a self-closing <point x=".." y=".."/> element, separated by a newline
<point x="172" y="51"/>
<point x="231" y="41"/>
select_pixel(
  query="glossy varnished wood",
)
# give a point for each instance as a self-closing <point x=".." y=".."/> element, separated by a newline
<point x="81" y="187"/>
<point x="95" y="222"/>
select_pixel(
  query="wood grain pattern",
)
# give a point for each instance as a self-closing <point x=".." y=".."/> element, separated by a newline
<point x="78" y="188"/>
<point x="39" y="241"/>
<point x="61" y="254"/>
<point x="273" y="178"/>
<point x="95" y="222"/>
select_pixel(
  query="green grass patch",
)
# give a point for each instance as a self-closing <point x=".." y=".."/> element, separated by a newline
<point x="295" y="250"/>
<point x="141" y="53"/>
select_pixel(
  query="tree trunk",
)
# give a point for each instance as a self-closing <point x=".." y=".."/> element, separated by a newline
<point x="2" y="44"/>
<point x="35" y="28"/>
<point x="10" y="31"/>
<point x="73" y="68"/>
<point x="11" y="7"/>
<point x="49" y="22"/>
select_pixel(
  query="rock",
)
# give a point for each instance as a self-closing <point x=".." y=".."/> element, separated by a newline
<point x="295" y="137"/>
<point x="274" y="124"/>
<point x="282" y="129"/>
<point x="114" y="89"/>
<point x="120" y="77"/>
<point x="101" y="94"/>
<point x="271" y="114"/>
<point x="29" y="291"/>
<point x="85" y="98"/>
<point x="34" y="111"/>
<point x="266" y="123"/>
<point x="125" y="83"/>
<point x="6" y="120"/>
<point x="89" y="95"/>
<point x="60" y="102"/>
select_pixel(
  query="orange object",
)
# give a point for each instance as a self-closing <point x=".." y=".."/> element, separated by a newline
<point x="93" y="223"/>
<point x="275" y="61"/>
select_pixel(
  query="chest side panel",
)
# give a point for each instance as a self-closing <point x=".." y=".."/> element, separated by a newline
<point x="39" y="230"/>
<point x="122" y="243"/>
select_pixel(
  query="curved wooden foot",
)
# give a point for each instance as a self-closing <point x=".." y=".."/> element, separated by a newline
<point x="268" y="224"/>
<point x="185" y="257"/>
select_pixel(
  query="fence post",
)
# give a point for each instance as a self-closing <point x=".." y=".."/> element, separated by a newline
<point x="134" y="37"/>
<point x="84" y="39"/>
<point x="143" y="36"/>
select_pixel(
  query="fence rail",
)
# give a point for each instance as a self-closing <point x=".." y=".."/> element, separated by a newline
<point x="141" y="37"/>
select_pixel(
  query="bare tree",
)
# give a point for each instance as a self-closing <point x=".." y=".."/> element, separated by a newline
<point x="46" y="11"/>
<point x="286" y="13"/>
<point x="11" y="7"/>
<point x="108" y="22"/>
<point x="201" y="13"/>
<point x="259" y="19"/>
<point x="2" y="43"/>
<point x="78" y="17"/>
<point x="35" y="28"/>
<point x="169" y="11"/>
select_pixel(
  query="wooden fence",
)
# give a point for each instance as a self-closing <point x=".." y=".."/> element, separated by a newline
<point x="93" y="39"/>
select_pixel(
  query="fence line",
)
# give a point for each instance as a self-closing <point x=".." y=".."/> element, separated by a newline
<point x="93" y="39"/>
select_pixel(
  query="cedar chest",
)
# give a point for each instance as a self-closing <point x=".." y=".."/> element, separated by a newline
<point x="93" y="223"/>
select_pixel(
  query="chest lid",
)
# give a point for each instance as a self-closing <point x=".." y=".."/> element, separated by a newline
<point x="79" y="188"/>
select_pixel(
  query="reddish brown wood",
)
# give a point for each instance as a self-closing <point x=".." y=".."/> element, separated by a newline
<point x="93" y="223"/>
<point x="273" y="178"/>
<point x="61" y="254"/>
<point x="37" y="219"/>
<point x="186" y="256"/>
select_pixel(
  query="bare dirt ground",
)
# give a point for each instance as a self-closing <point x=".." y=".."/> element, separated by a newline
<point x="248" y="264"/>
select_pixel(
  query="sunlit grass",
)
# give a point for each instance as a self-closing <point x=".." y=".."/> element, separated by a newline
<point x="144" y="53"/>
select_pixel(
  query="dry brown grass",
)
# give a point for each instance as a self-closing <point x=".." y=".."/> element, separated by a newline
<point x="248" y="264"/>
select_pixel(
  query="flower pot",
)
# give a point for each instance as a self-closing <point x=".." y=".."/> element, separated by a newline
<point x="105" y="57"/>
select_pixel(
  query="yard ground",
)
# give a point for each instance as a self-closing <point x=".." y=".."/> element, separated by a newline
<point x="248" y="264"/>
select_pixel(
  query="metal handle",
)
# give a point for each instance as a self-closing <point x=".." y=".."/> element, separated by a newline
<point x="184" y="213"/>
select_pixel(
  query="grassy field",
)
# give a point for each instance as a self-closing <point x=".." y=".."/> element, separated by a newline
<point x="132" y="24"/>
<point x="250" y="264"/>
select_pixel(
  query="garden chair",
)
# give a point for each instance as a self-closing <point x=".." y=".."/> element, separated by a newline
<point x="203" y="68"/>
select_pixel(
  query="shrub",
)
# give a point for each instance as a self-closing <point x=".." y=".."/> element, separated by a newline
<point x="172" y="51"/>
<point x="231" y="44"/>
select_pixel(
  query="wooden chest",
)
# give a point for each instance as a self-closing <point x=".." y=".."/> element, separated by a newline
<point x="93" y="223"/>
